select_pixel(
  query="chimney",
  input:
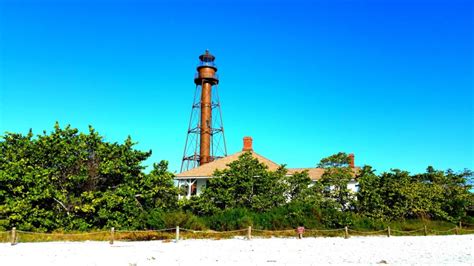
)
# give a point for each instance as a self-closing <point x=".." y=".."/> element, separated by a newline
<point x="247" y="144"/>
<point x="351" y="160"/>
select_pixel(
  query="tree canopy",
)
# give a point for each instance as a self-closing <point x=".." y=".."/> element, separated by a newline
<point x="67" y="179"/>
<point x="246" y="183"/>
<point x="336" y="178"/>
<point x="397" y="194"/>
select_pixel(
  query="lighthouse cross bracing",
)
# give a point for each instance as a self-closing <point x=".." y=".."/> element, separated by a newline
<point x="205" y="140"/>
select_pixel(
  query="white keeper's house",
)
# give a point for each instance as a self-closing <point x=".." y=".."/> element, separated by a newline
<point x="194" y="180"/>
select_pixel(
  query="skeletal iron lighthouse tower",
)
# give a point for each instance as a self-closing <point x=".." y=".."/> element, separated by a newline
<point x="205" y="140"/>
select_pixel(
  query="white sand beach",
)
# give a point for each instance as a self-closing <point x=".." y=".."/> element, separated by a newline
<point x="441" y="250"/>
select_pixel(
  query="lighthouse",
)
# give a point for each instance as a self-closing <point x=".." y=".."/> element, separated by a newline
<point x="205" y="141"/>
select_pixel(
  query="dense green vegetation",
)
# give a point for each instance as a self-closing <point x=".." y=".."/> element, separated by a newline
<point x="67" y="180"/>
<point x="75" y="181"/>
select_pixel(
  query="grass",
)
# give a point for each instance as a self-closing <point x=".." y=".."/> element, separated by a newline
<point x="398" y="228"/>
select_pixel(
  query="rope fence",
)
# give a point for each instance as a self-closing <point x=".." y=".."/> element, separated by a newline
<point x="15" y="236"/>
<point x="379" y="232"/>
<point x="325" y="230"/>
<point x="468" y="224"/>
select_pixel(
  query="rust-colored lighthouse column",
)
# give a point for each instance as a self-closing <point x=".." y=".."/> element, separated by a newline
<point x="206" y="78"/>
<point x="206" y="120"/>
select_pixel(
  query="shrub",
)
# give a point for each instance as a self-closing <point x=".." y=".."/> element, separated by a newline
<point x="231" y="219"/>
<point x="155" y="219"/>
<point x="184" y="220"/>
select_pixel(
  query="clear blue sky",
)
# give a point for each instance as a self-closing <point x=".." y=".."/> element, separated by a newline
<point x="391" y="81"/>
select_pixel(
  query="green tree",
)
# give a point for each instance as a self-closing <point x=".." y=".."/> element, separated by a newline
<point x="157" y="189"/>
<point x="335" y="179"/>
<point x="338" y="160"/>
<point x="457" y="188"/>
<point x="449" y="192"/>
<point x="369" y="199"/>
<point x="246" y="183"/>
<point x="434" y="194"/>
<point x="71" y="180"/>
<point x="297" y="185"/>
<point x="300" y="188"/>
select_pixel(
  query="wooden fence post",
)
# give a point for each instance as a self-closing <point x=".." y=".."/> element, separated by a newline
<point x="346" y="232"/>
<point x="426" y="230"/>
<point x="456" y="230"/>
<point x="13" y="240"/>
<point x="249" y="233"/>
<point x="460" y="225"/>
<point x="177" y="233"/>
<point x="388" y="231"/>
<point x="112" y="235"/>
